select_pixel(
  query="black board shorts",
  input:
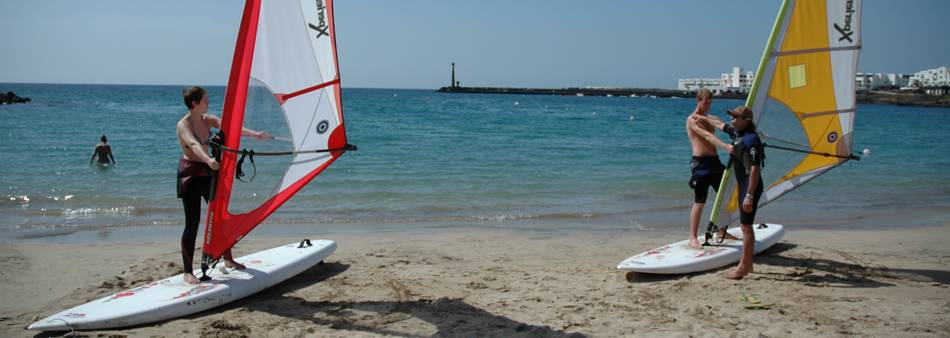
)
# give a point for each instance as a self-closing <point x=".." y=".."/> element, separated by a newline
<point x="193" y="178"/>
<point x="749" y="217"/>
<point x="706" y="173"/>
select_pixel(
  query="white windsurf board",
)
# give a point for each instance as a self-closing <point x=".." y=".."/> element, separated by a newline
<point x="172" y="297"/>
<point x="678" y="258"/>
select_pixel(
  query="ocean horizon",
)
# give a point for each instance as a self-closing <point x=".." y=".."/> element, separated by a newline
<point x="431" y="160"/>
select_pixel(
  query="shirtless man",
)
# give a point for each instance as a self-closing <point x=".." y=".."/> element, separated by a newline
<point x="103" y="151"/>
<point x="705" y="165"/>
<point x="195" y="170"/>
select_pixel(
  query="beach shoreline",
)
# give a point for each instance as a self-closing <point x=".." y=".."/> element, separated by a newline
<point x="504" y="282"/>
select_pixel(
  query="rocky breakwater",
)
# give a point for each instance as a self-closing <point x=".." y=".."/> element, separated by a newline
<point x="11" y="98"/>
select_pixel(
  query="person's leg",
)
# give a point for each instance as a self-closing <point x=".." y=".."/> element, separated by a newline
<point x="748" y="249"/>
<point x="192" y="206"/>
<point x="748" y="237"/>
<point x="230" y="262"/>
<point x="700" y="187"/>
<point x="694" y="216"/>
<point x="228" y="258"/>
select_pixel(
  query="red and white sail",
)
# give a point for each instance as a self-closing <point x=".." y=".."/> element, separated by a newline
<point x="287" y="47"/>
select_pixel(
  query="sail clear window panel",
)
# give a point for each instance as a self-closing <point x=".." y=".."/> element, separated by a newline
<point x="262" y="113"/>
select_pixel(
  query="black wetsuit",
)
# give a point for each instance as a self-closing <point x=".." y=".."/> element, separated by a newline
<point x="194" y="183"/>
<point x="747" y="151"/>
<point x="707" y="172"/>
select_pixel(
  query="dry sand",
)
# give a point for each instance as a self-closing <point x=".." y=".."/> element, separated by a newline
<point x="519" y="284"/>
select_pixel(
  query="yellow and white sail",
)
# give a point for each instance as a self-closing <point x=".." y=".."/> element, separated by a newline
<point x="803" y="96"/>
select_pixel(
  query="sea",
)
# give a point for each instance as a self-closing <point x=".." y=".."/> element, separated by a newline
<point x="431" y="161"/>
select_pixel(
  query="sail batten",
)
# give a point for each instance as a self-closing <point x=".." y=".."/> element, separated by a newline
<point x="288" y="57"/>
<point x="814" y="50"/>
<point x="807" y="115"/>
<point x="284" y="97"/>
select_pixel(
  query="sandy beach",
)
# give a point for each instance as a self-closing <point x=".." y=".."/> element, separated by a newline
<point x="509" y="283"/>
<point x="458" y="211"/>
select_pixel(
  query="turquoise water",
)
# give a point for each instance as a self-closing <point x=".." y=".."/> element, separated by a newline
<point x="429" y="159"/>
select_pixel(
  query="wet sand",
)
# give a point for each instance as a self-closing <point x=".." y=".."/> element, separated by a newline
<point x="893" y="283"/>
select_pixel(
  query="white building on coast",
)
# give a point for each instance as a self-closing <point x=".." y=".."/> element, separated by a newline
<point x="873" y="81"/>
<point x="739" y="81"/>
<point x="695" y="84"/>
<point x="937" y="77"/>
<point x="736" y="81"/>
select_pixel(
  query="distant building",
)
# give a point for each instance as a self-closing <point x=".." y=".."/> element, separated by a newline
<point x="929" y="80"/>
<point x="736" y="81"/>
<point x="938" y="91"/>
<point x="714" y="85"/>
<point x="937" y="77"/>
<point x="873" y="81"/>
<point x="868" y="81"/>
<point x="899" y="80"/>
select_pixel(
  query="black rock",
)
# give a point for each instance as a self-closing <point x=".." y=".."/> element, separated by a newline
<point x="11" y="98"/>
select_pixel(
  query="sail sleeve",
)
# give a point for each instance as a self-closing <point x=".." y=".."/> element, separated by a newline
<point x="293" y="58"/>
<point x="804" y="95"/>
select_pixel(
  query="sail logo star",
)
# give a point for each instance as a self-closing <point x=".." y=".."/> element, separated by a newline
<point x="322" y="27"/>
<point x="845" y="31"/>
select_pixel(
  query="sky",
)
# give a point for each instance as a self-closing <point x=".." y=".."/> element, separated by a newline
<point x="411" y="44"/>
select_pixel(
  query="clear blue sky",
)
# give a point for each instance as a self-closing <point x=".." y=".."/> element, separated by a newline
<point x="410" y="44"/>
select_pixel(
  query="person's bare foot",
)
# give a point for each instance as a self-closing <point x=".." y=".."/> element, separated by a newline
<point x="190" y="279"/>
<point x="234" y="265"/>
<point x="737" y="273"/>
<point x="694" y="243"/>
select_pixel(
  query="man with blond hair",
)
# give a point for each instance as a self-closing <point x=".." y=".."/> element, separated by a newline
<point x="705" y="166"/>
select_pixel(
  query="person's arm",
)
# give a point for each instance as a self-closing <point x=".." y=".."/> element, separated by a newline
<point x="261" y="135"/>
<point x="111" y="157"/>
<point x="753" y="185"/>
<point x="713" y="121"/>
<point x="190" y="142"/>
<point x="215" y="122"/>
<point x="94" y="152"/>
<point x="718" y="124"/>
<point x="710" y="137"/>
<point x="756" y="155"/>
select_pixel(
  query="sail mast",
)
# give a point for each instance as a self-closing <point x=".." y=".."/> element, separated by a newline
<point x="724" y="185"/>
<point x="232" y="120"/>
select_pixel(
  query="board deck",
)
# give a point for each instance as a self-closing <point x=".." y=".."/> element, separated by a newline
<point x="678" y="258"/>
<point x="172" y="297"/>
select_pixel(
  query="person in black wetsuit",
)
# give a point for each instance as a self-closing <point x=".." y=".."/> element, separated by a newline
<point x="706" y="169"/>
<point x="195" y="169"/>
<point x="746" y="155"/>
